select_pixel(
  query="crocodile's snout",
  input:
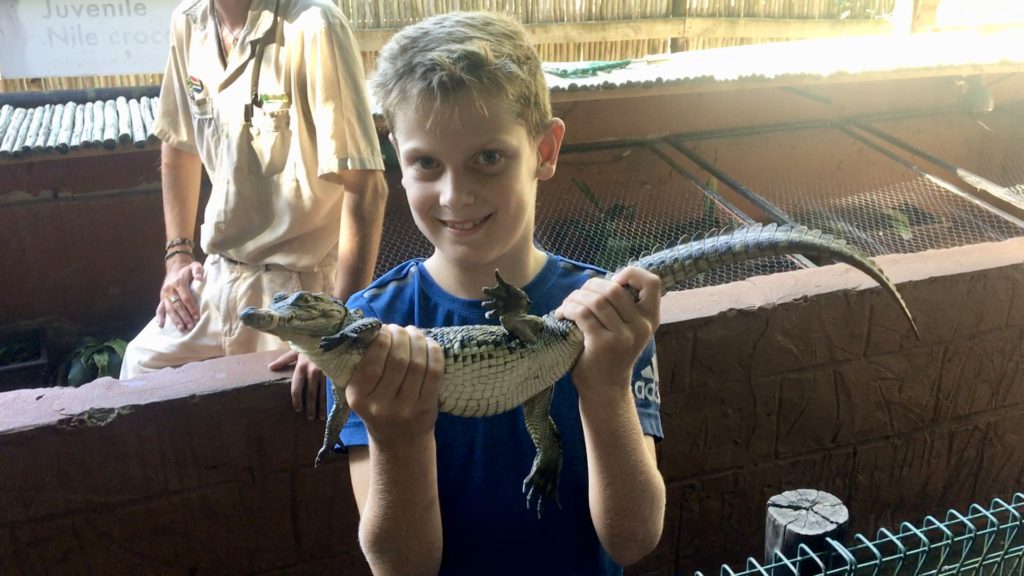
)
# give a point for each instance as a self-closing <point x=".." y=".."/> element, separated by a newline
<point x="253" y="317"/>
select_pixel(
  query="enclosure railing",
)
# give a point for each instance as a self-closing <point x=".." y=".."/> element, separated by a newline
<point x="983" y="541"/>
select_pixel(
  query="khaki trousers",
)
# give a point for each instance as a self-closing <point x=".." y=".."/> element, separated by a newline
<point x="228" y="287"/>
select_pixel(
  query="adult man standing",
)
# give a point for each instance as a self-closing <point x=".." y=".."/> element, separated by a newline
<point x="269" y="97"/>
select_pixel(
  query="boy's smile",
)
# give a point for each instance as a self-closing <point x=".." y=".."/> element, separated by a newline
<point x="464" y="226"/>
<point x="470" y="172"/>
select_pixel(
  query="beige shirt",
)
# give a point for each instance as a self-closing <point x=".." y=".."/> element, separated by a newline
<point x="268" y="204"/>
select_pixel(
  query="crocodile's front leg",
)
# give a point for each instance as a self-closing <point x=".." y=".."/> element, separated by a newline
<point x="346" y="349"/>
<point x="511" y="304"/>
<point x="542" y="481"/>
<point x="359" y="333"/>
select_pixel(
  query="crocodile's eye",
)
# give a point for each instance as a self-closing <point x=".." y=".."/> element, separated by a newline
<point x="279" y="297"/>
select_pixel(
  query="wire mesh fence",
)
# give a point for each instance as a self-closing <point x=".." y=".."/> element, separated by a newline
<point x="989" y="145"/>
<point x="605" y="207"/>
<point x="609" y="205"/>
<point x="823" y="178"/>
<point x="981" y="541"/>
<point x="401" y="239"/>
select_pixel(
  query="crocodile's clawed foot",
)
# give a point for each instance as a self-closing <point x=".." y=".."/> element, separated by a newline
<point x="335" y="421"/>
<point x="506" y="298"/>
<point x="542" y="482"/>
<point x="360" y="332"/>
<point x="511" y="304"/>
<point x="324" y="451"/>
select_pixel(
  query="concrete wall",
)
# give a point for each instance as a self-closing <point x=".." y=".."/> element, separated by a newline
<point x="811" y="385"/>
<point x="808" y="379"/>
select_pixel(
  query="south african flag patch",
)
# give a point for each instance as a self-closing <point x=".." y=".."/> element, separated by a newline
<point x="195" y="85"/>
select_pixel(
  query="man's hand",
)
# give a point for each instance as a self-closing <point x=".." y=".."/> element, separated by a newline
<point x="176" y="299"/>
<point x="308" y="384"/>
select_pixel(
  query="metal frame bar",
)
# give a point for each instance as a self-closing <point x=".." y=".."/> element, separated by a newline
<point x="964" y="174"/>
<point x="773" y="211"/>
<point x="718" y="198"/>
<point x="947" y="186"/>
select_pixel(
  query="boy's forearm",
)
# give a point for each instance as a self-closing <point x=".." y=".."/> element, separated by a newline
<point x="627" y="492"/>
<point x="400" y="528"/>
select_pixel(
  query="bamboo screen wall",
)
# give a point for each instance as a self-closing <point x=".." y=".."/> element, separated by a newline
<point x="374" y="15"/>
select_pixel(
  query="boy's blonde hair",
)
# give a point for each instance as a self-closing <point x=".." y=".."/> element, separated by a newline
<point x="482" y="53"/>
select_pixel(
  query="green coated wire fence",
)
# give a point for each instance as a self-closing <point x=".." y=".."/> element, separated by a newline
<point x="983" y="541"/>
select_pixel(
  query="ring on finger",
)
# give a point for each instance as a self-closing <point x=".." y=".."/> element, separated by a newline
<point x="173" y="299"/>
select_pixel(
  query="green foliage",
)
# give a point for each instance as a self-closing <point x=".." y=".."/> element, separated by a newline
<point x="94" y="359"/>
<point x="709" y="209"/>
<point x="898" y="222"/>
<point x="612" y="248"/>
<point x="17" y="352"/>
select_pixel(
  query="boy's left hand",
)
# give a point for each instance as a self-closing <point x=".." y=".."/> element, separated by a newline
<point x="616" y="326"/>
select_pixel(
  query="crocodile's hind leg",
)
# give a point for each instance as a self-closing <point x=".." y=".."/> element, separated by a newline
<point x="335" y="421"/>
<point x="511" y="304"/>
<point x="542" y="481"/>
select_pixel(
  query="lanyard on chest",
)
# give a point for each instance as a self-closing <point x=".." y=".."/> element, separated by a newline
<point x="254" y="96"/>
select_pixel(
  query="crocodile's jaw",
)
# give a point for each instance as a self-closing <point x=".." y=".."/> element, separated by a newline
<point x="260" y="319"/>
<point x="276" y="324"/>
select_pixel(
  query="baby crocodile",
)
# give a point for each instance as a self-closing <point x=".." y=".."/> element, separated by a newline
<point x="492" y="369"/>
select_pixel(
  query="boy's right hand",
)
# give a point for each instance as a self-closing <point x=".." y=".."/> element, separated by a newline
<point x="395" y="387"/>
<point x="176" y="299"/>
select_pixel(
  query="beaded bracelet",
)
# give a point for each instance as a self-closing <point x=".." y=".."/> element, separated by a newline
<point x="178" y="242"/>
<point x="174" y="253"/>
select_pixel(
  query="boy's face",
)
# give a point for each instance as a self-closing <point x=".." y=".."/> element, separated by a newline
<point x="471" y="179"/>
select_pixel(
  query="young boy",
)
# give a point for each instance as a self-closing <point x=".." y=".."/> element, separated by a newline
<point x="470" y="119"/>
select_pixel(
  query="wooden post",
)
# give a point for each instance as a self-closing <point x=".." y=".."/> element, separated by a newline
<point x="154" y="103"/>
<point x="110" y="124"/>
<point x="98" y="124"/>
<point x="124" y="121"/>
<point x="803" y="517"/>
<point x="924" y="15"/>
<point x="67" y="126"/>
<point x="138" y="130"/>
<point x="678" y="11"/>
<point x="87" y="116"/>
<point x="13" y="129"/>
<point x="146" y="110"/>
<point x="19" y="141"/>
<point x="76" y="128"/>
<point x="58" y="117"/>
<point x="39" y="128"/>
<point x="5" y="118"/>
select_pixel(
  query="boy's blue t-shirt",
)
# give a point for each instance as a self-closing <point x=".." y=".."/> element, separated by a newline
<point x="481" y="462"/>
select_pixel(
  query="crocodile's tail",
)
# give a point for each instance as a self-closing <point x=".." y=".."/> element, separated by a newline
<point x="676" y="265"/>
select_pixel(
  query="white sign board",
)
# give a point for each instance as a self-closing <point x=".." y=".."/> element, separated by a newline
<point x="40" y="38"/>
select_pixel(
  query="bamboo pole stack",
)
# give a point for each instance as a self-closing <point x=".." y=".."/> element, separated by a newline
<point x="69" y="126"/>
